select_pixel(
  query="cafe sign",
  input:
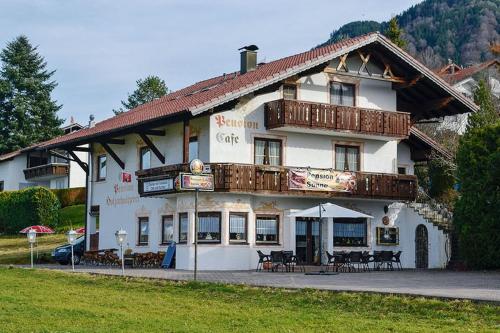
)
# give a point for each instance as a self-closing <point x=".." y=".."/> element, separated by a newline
<point x="158" y="185"/>
<point x="188" y="181"/>
<point x="321" y="180"/>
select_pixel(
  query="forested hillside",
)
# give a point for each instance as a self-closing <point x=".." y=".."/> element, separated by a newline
<point x="461" y="30"/>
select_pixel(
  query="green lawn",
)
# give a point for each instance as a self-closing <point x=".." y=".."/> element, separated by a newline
<point x="71" y="216"/>
<point x="48" y="301"/>
<point x="15" y="249"/>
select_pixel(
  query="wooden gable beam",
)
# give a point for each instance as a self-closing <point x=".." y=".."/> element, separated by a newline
<point x="152" y="146"/>
<point x="365" y="60"/>
<point x="343" y="63"/>
<point x="409" y="83"/>
<point x="110" y="151"/>
<point x="427" y="107"/>
<point x="82" y="149"/>
<point x="82" y="164"/>
<point x="113" y="141"/>
<point x="154" y="132"/>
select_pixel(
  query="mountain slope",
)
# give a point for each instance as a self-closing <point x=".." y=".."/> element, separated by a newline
<point x="437" y="30"/>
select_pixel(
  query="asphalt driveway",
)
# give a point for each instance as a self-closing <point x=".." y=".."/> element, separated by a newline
<point x="484" y="286"/>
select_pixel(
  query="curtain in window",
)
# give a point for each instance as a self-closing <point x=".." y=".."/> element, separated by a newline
<point x="237" y="224"/>
<point x="143" y="230"/>
<point x="168" y="229"/>
<point x="349" y="230"/>
<point x="352" y="159"/>
<point x="260" y="146"/>
<point x="336" y="94"/>
<point x="347" y="95"/>
<point x="315" y="228"/>
<point x="208" y="223"/>
<point x="266" y="227"/>
<point x="300" y="228"/>
<point x="145" y="158"/>
<point x="274" y="152"/>
<point x="102" y="166"/>
<point x="339" y="158"/>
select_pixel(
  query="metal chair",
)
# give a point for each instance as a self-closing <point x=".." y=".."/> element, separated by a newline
<point x="386" y="259"/>
<point x="263" y="258"/>
<point x="377" y="260"/>
<point x="291" y="261"/>
<point x="355" y="258"/>
<point x="277" y="260"/>
<point x="396" y="258"/>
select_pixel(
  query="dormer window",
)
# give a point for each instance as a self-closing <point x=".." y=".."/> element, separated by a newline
<point x="342" y="93"/>
<point x="289" y="91"/>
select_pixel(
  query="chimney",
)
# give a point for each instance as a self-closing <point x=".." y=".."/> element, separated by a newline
<point x="248" y="58"/>
<point x="91" y="121"/>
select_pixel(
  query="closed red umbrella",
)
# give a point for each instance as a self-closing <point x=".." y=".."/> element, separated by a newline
<point x="40" y="229"/>
<point x="80" y="230"/>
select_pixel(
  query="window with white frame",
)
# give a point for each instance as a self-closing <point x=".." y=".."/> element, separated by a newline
<point x="145" y="158"/>
<point x="167" y="229"/>
<point x="183" y="227"/>
<point x="267" y="229"/>
<point x="101" y="167"/>
<point x="237" y="227"/>
<point x="209" y="227"/>
<point x="143" y="234"/>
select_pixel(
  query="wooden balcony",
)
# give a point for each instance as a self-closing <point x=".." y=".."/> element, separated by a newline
<point x="259" y="179"/>
<point x="47" y="171"/>
<point x="292" y="113"/>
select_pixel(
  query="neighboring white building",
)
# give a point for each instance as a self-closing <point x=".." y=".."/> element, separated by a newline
<point x="465" y="80"/>
<point x="328" y="125"/>
<point x="29" y="167"/>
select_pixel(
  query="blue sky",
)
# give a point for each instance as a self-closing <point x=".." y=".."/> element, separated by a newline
<point x="100" y="48"/>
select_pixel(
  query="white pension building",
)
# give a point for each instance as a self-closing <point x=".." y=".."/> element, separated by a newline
<point x="329" y="125"/>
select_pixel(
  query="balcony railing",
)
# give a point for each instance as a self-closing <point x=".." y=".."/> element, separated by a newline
<point x="281" y="113"/>
<point x="47" y="171"/>
<point x="248" y="178"/>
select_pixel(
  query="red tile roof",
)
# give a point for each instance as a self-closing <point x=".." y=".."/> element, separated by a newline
<point x="467" y="72"/>
<point x="206" y="94"/>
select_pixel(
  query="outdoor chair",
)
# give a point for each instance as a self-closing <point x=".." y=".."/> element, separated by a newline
<point x="340" y="261"/>
<point x="277" y="260"/>
<point x="355" y="259"/>
<point x="263" y="258"/>
<point x="330" y="261"/>
<point x="377" y="260"/>
<point x="365" y="259"/>
<point x="396" y="258"/>
<point x="386" y="260"/>
<point x="291" y="261"/>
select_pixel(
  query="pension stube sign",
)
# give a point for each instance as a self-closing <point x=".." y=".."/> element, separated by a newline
<point x="160" y="185"/>
<point x="321" y="180"/>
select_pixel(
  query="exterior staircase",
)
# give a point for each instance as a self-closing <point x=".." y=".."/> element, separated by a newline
<point x="434" y="212"/>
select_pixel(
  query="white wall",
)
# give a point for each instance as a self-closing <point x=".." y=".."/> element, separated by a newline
<point x="404" y="158"/>
<point x="11" y="172"/>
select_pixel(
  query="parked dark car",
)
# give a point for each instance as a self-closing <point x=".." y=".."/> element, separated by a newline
<point x="62" y="254"/>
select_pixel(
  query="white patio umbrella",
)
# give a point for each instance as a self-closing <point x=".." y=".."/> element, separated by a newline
<point x="329" y="210"/>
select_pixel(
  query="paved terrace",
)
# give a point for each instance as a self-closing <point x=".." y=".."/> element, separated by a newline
<point x="483" y="286"/>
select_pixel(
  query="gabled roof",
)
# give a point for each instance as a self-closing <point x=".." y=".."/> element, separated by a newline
<point x="461" y="74"/>
<point x="8" y="156"/>
<point x="211" y="93"/>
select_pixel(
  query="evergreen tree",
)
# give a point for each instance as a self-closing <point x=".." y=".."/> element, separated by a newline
<point x="394" y="33"/>
<point x="487" y="113"/>
<point x="27" y="112"/>
<point x="148" y="89"/>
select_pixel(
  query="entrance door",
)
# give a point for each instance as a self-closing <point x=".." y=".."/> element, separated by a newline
<point x="307" y="240"/>
<point x="421" y="247"/>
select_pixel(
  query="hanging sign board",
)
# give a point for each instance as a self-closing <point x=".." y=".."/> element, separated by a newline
<point x="158" y="185"/>
<point x="321" y="180"/>
<point x="188" y="181"/>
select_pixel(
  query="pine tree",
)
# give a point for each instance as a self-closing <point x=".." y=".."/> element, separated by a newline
<point x="394" y="32"/>
<point x="487" y="114"/>
<point x="27" y="112"/>
<point x="148" y="89"/>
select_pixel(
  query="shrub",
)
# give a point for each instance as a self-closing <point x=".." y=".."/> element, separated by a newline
<point x="31" y="206"/>
<point x="477" y="211"/>
<point x="70" y="196"/>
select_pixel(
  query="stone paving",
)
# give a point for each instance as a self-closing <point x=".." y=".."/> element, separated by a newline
<point x="483" y="286"/>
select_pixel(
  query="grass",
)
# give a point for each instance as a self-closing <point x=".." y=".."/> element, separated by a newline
<point x="71" y="216"/>
<point x="48" y="301"/>
<point x="16" y="250"/>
